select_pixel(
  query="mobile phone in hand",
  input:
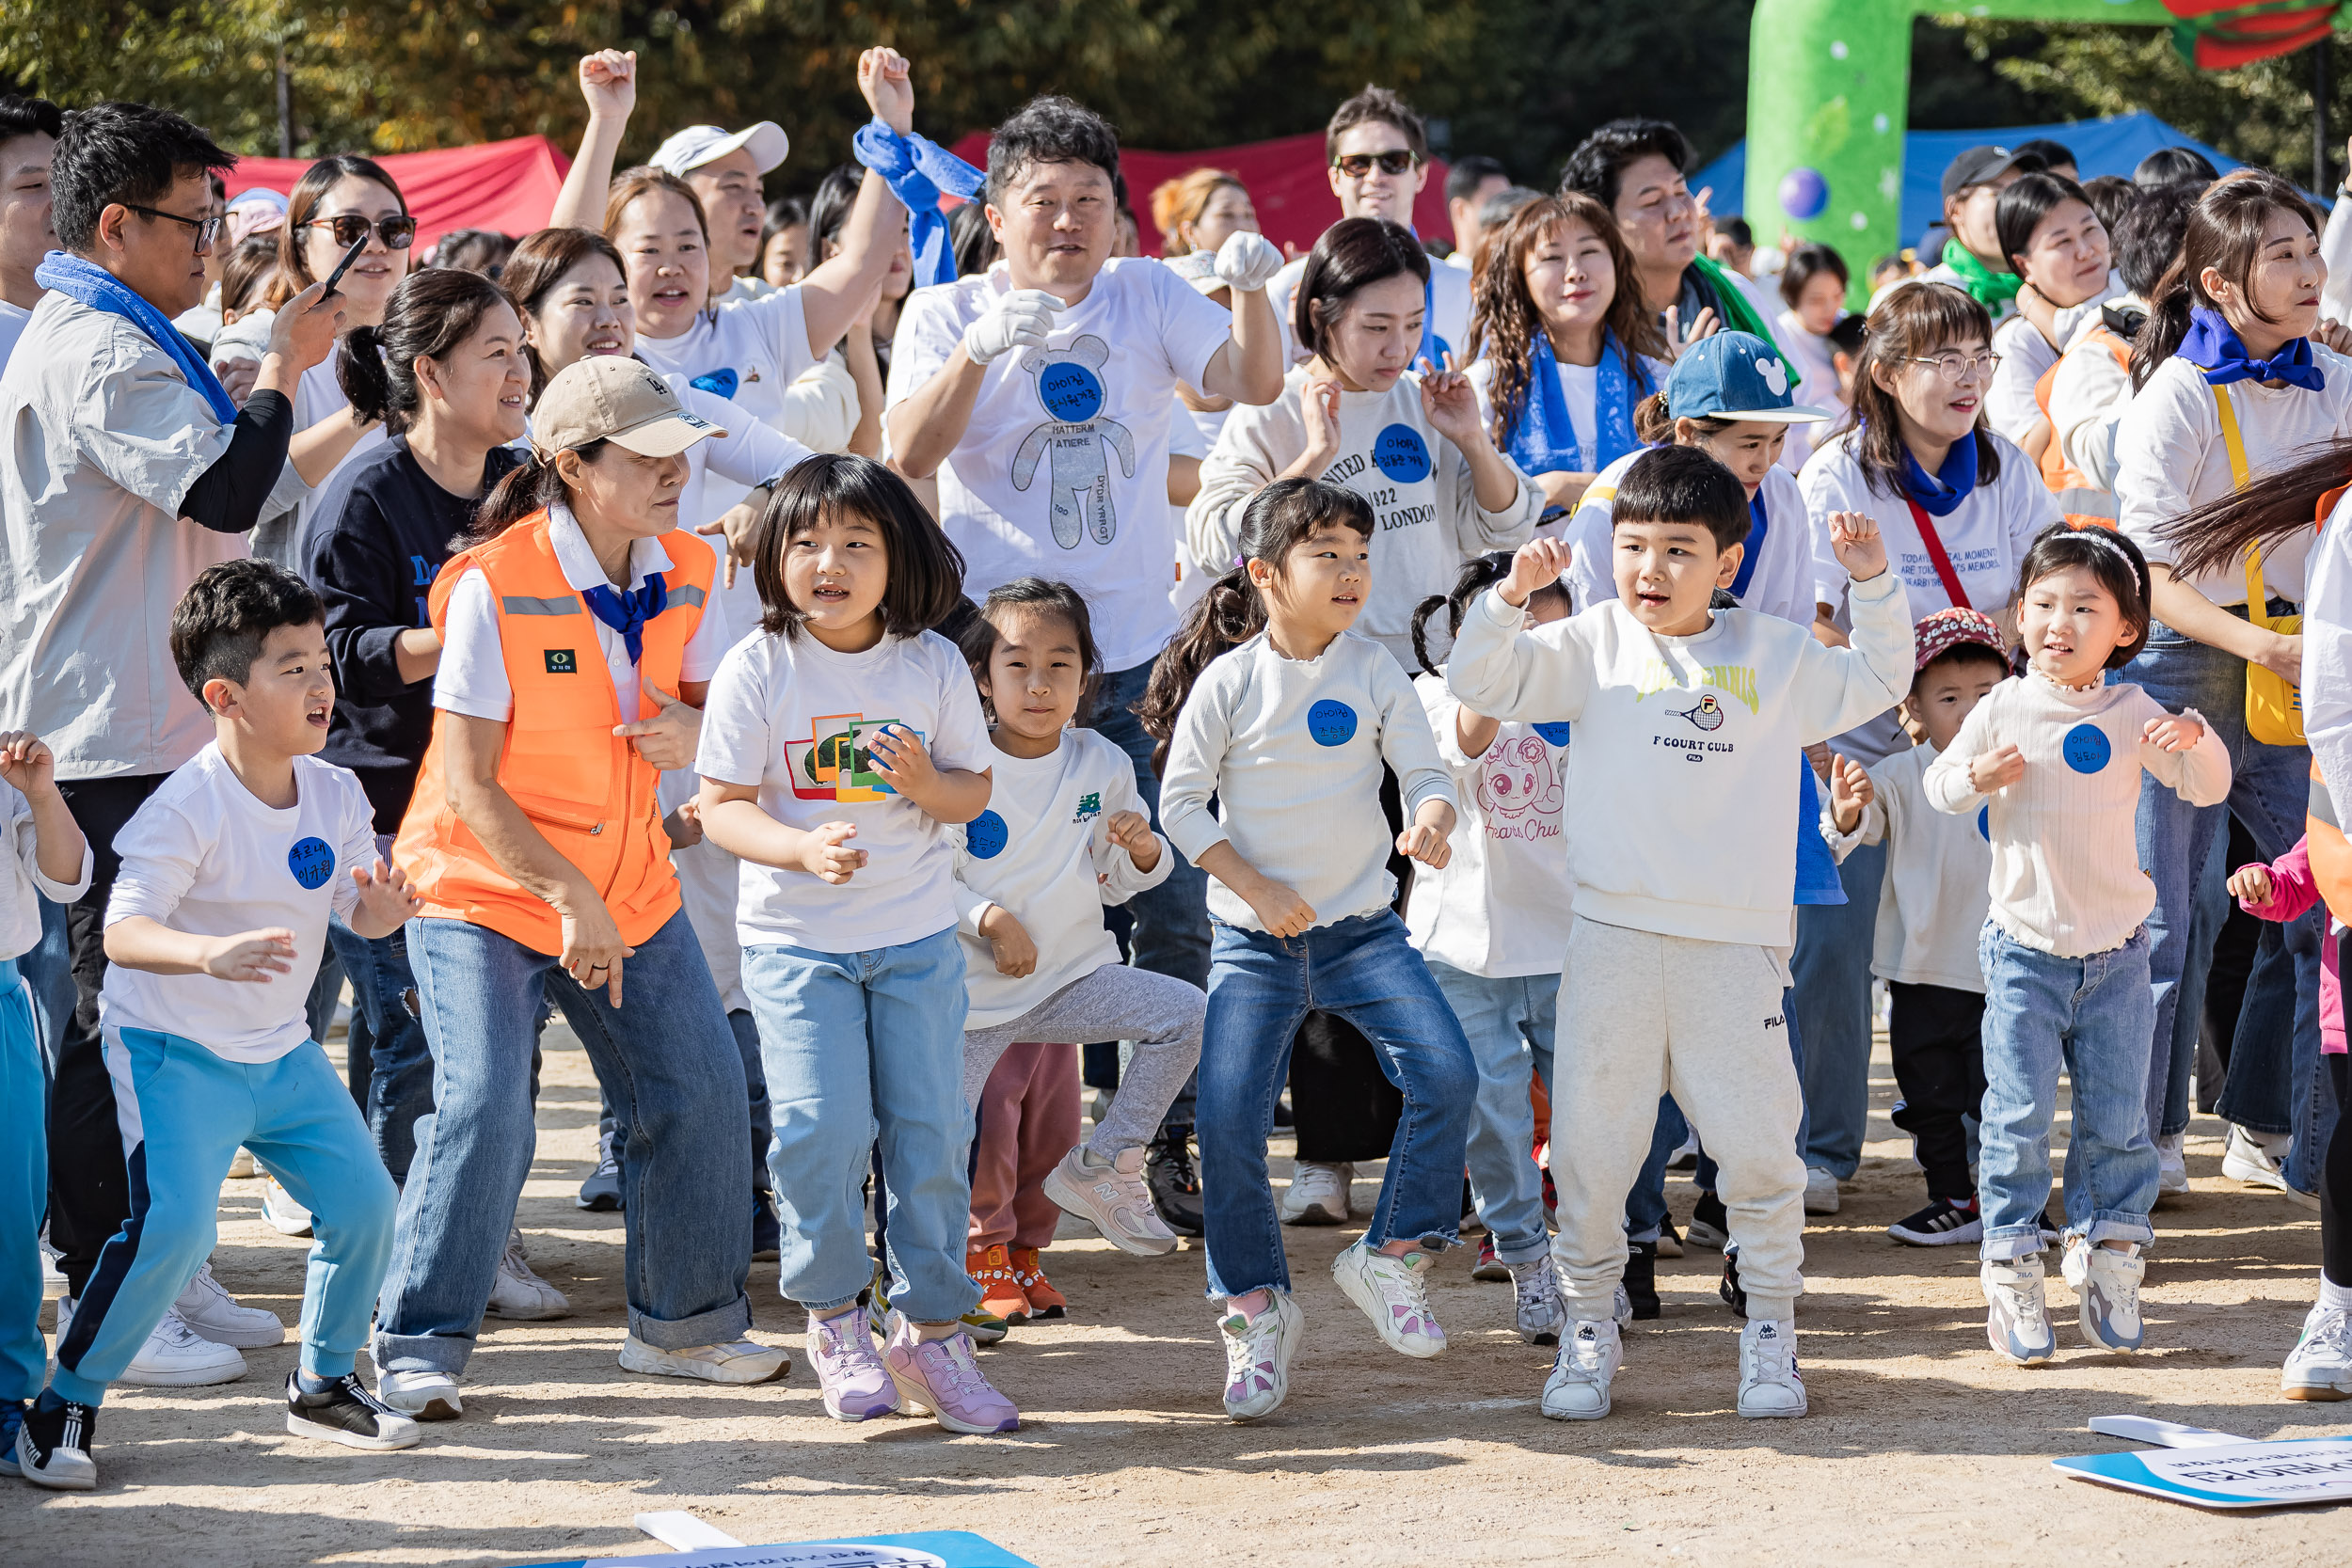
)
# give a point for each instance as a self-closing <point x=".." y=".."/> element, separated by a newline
<point x="343" y="266"/>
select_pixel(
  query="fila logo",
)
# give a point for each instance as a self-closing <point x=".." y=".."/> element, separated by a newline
<point x="561" y="662"/>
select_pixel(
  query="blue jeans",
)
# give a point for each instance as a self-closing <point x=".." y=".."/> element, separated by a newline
<point x="1261" y="988"/>
<point x="400" y="1061"/>
<point x="1831" y="970"/>
<point x="665" y="1057"/>
<point x="1509" y="1025"/>
<point x="859" y="1046"/>
<point x="2269" y="789"/>
<point x="24" y="1187"/>
<point x="47" y="972"/>
<point x="754" y="1088"/>
<point x="2090" y="1016"/>
<point x="1646" y="1211"/>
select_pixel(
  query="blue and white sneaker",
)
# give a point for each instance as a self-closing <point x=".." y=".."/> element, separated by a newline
<point x="2018" y="1324"/>
<point x="2107" y="1283"/>
<point x="2319" y="1366"/>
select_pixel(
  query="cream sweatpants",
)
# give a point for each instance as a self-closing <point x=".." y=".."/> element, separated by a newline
<point x="1643" y="1015"/>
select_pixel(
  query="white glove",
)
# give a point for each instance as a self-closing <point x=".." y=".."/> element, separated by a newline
<point x="1021" y="318"/>
<point x="1247" y="262"/>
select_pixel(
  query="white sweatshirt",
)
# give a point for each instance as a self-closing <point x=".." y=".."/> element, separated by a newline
<point x="2066" y="873"/>
<point x="2328" y="654"/>
<point x="1041" y="851"/>
<point x="1939" y="869"/>
<point x="1293" y="749"/>
<point x="2010" y="406"/>
<point x="1683" y="800"/>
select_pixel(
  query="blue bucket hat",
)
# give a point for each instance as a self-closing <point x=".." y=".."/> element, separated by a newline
<point x="1736" y="375"/>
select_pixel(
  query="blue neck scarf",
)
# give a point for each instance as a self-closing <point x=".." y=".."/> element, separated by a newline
<point x="627" y="613"/>
<point x="100" y="290"/>
<point x="1953" y="482"/>
<point x="1758" y="526"/>
<point x="919" y="172"/>
<point x="1544" y="438"/>
<point x="2214" y="346"/>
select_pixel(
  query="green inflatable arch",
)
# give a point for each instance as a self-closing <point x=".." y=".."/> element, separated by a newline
<point x="1829" y="93"/>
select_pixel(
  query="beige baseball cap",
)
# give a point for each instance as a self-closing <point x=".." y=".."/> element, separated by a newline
<point x="606" y="397"/>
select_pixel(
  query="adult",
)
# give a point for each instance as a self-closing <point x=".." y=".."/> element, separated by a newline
<point x="2056" y="156"/>
<point x="28" y="140"/>
<point x="1813" y="285"/>
<point x="1469" y="184"/>
<point x="2057" y="248"/>
<point x="2175" y="165"/>
<point x="1972" y="259"/>
<point x="723" y="169"/>
<point x="2084" y="398"/>
<point x="124" y="471"/>
<point x="576" y="648"/>
<point x="866" y="347"/>
<point x="1565" y="348"/>
<point x="2227" y="339"/>
<point x="1195" y="211"/>
<point x="1958" y="506"/>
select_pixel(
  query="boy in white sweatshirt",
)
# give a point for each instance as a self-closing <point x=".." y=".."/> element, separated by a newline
<point x="1681" y="833"/>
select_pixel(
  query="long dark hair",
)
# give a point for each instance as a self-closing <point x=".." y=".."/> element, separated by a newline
<point x="532" y="487"/>
<point x="542" y="260"/>
<point x="977" y="639"/>
<point x="1233" y="611"/>
<point x="1351" y="254"/>
<point x="1914" y="322"/>
<point x="430" y="314"/>
<point x="2224" y="232"/>
<point x="925" y="572"/>
<point x="1479" y="573"/>
<point x="2268" y="511"/>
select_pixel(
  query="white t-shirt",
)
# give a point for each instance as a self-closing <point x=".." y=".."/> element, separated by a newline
<point x="21" y="876"/>
<point x="787" y="714"/>
<point x="2009" y="406"/>
<point x="12" y="320"/>
<point x="746" y="351"/>
<point x="471" y="679"/>
<point x="1502" y="905"/>
<point x="1449" y="313"/>
<point x="1062" y="472"/>
<point x="1781" y="585"/>
<point x="204" y="855"/>
<point x="1185" y="439"/>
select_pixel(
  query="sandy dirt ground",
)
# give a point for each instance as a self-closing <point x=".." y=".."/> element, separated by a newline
<point x="1921" y="1448"/>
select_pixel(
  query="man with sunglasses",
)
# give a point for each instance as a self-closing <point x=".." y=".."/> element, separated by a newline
<point x="124" y="471"/>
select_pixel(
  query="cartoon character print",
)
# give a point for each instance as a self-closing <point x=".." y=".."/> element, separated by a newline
<point x="1078" y="474"/>
<point x="1519" y="788"/>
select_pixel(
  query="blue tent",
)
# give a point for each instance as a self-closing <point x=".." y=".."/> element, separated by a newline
<point x="2111" y="146"/>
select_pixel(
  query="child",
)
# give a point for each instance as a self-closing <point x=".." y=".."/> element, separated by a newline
<point x="217" y="923"/>
<point x="2058" y="756"/>
<point x="1064" y="834"/>
<point x="839" y="742"/>
<point x="1930" y="911"/>
<point x="1289" y="725"/>
<point x="1491" y="923"/>
<point x="40" y="850"/>
<point x="1689" y="721"/>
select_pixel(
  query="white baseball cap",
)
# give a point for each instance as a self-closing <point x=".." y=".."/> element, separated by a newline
<point x="698" y="145"/>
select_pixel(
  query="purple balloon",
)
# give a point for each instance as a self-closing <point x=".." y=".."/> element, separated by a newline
<point x="1803" y="193"/>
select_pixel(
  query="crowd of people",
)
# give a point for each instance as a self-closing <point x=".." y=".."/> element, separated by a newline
<point x="883" y="665"/>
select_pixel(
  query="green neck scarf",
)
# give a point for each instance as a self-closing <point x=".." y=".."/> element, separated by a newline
<point x="1989" y="288"/>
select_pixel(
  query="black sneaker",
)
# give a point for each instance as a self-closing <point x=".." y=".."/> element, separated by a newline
<point x="1942" y="1223"/>
<point x="1640" y="1281"/>
<point x="1175" y="1186"/>
<point x="52" y="1446"/>
<point x="1734" y="1297"/>
<point x="346" y="1413"/>
<point x="601" y="1192"/>
<point x="767" y="1236"/>
<point x="1669" y="1239"/>
<point x="1709" y="1227"/>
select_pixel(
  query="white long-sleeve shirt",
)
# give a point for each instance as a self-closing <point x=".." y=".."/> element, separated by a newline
<point x="1938" y="880"/>
<point x="2087" y="397"/>
<point x="22" y="877"/>
<point x="2327" y="653"/>
<point x="2066" y="873"/>
<point x="1042" y="853"/>
<point x="1293" y="749"/>
<point x="2010" y="406"/>
<point x="1682" y="793"/>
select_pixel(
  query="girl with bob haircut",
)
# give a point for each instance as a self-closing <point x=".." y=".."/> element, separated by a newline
<point x="2055" y="242"/>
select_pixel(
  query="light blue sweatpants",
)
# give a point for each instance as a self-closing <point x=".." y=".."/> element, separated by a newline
<point x="23" y="1190"/>
<point x="183" y="1110"/>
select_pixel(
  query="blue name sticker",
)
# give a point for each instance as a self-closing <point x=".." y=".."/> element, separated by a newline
<point x="720" y="382"/>
<point x="1398" y="452"/>
<point x="312" y="861"/>
<point x="985" y="836"/>
<point x="1555" y="731"/>
<point x="1984" y="822"/>
<point x="1331" y="722"/>
<point x="1071" y="393"/>
<point x="2087" y="749"/>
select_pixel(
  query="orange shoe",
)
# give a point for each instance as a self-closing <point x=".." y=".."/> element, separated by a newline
<point x="1000" y="1290"/>
<point x="1044" y="1301"/>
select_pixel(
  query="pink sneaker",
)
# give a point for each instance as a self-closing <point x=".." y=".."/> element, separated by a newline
<point x="939" y="1376"/>
<point x="856" y="1384"/>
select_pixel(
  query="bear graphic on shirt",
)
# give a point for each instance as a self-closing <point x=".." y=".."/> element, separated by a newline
<point x="1520" y="789"/>
<point x="1071" y="443"/>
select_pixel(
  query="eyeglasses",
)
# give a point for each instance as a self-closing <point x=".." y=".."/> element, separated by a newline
<point x="1956" y="368"/>
<point x="350" y="228"/>
<point x="207" y="229"/>
<point x="1356" y="164"/>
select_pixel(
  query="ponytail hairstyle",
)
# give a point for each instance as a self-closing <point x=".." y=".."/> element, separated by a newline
<point x="2270" y="509"/>
<point x="1479" y="574"/>
<point x="1505" y="321"/>
<point x="2112" y="558"/>
<point x="1277" y="520"/>
<point x="925" y="582"/>
<point x="1351" y="254"/>
<point x="977" y="637"/>
<point x="1653" y="422"/>
<point x="429" y="316"/>
<point x="541" y="261"/>
<point x="528" y="488"/>
<point x="2224" y="232"/>
<point x="1916" y="320"/>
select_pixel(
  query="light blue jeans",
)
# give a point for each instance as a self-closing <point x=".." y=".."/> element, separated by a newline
<point x="861" y="1046"/>
<point x="24" y="1188"/>
<point x="1509" y="1024"/>
<point x="2090" y="1016"/>
<point x="1831" y="970"/>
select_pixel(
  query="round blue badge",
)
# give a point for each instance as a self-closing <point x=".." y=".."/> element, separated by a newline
<point x="1984" y="822"/>
<point x="1071" y="393"/>
<point x="312" y="861"/>
<point x="1331" y="722"/>
<point x="719" y="383"/>
<point x="1398" y="452"/>
<point x="2087" y="749"/>
<point x="985" y="836"/>
<point x="1555" y="733"/>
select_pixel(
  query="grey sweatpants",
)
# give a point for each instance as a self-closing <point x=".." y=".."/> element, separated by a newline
<point x="1643" y="1015"/>
<point x="1161" y="1014"/>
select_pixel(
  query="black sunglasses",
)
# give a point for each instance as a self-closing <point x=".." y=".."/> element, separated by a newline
<point x="350" y="229"/>
<point x="1356" y="164"/>
<point x="207" y="229"/>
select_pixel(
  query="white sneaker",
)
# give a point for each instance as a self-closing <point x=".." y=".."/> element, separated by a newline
<point x="1258" y="1357"/>
<point x="2320" y="1365"/>
<point x="50" y="1272"/>
<point x="2171" y="1164"/>
<point x="2257" y="1159"/>
<point x="2017" y="1322"/>
<point x="1318" y="1194"/>
<point x="1394" y="1293"/>
<point x="520" y="1295"/>
<point x="2106" y="1286"/>
<point x="426" y="1395"/>
<point x="1770" y="1383"/>
<point x="1535" y="1303"/>
<point x="744" y="1361"/>
<point x="1110" y="1195"/>
<point x="1578" y="1388"/>
<point x="279" y="1208"/>
<point x="216" y="1315"/>
<point x="174" y="1355"/>
<point x="241" y="1166"/>
<point x="1820" y="1191"/>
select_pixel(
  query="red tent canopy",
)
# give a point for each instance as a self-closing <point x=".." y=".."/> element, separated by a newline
<point x="1287" y="180"/>
<point x="506" y="186"/>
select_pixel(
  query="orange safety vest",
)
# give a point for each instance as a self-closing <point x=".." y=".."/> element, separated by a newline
<point x="2083" y="503"/>
<point x="584" y="788"/>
